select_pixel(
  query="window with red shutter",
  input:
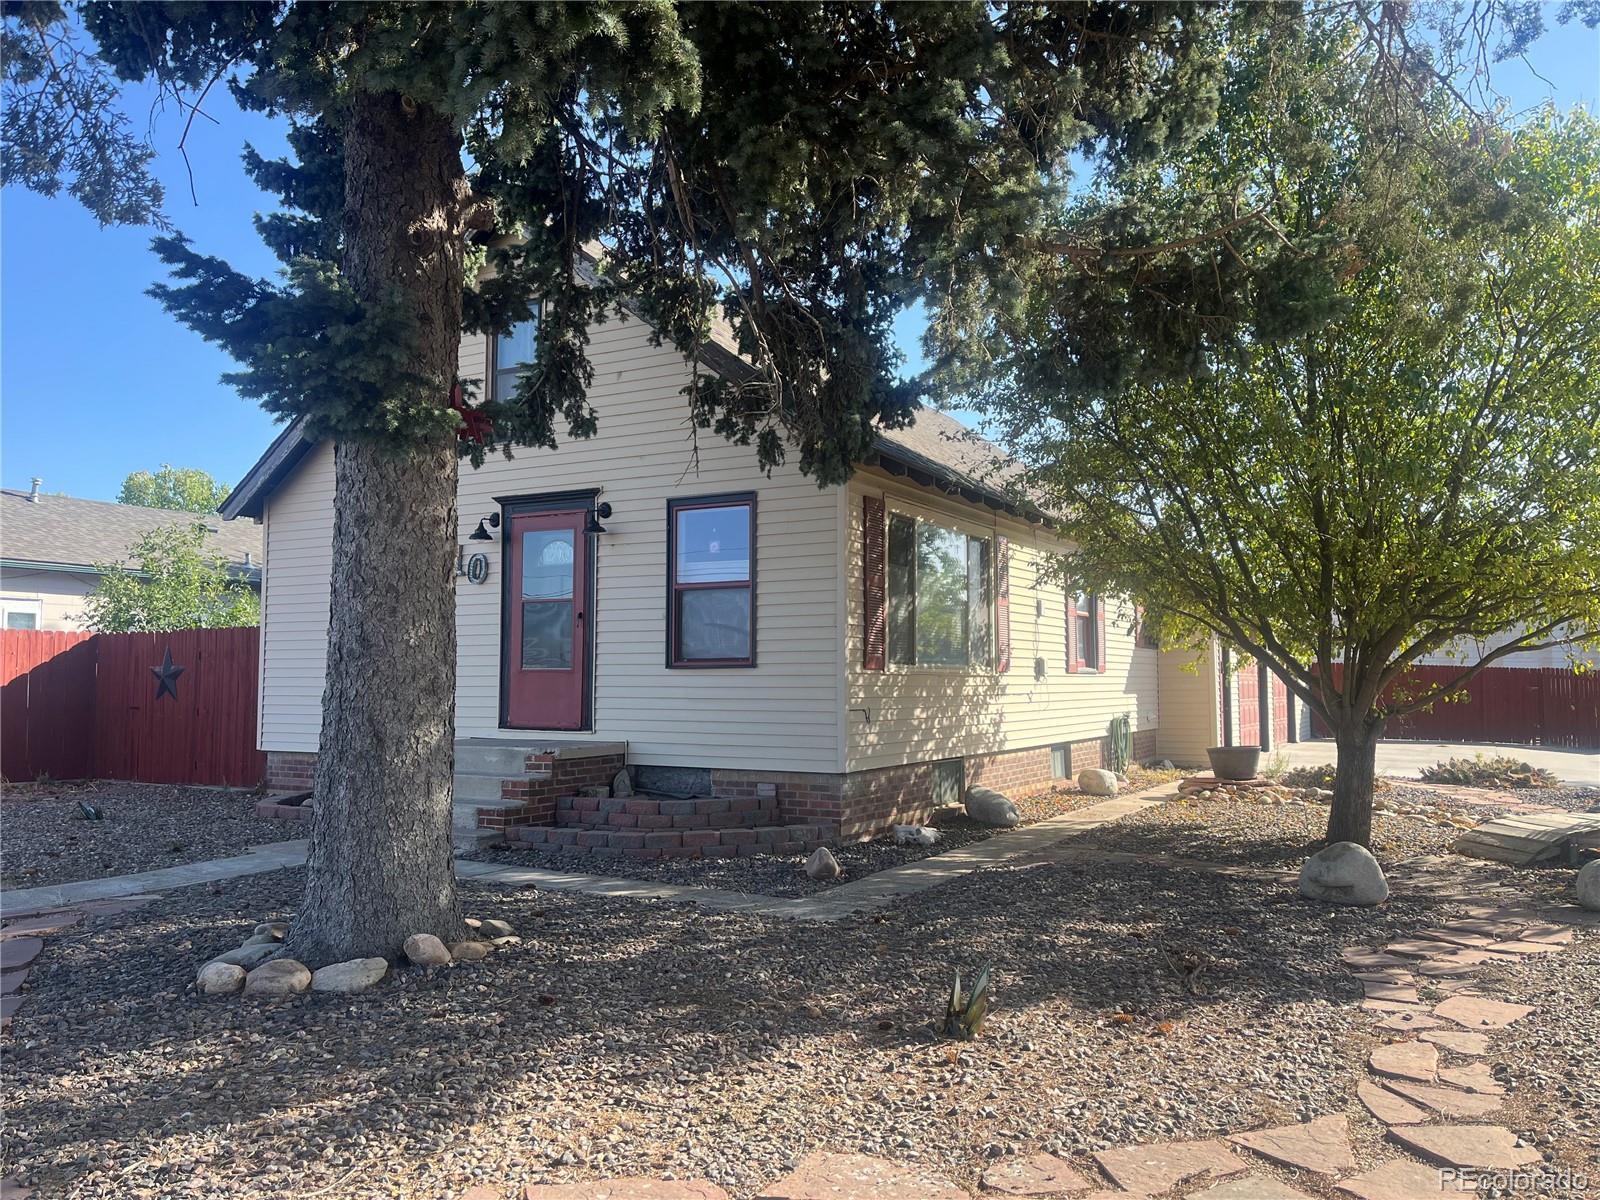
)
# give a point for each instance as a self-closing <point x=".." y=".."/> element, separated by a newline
<point x="874" y="629"/>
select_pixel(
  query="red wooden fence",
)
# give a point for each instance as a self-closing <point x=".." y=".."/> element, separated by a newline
<point x="1543" y="706"/>
<point x="46" y="704"/>
<point x="86" y="705"/>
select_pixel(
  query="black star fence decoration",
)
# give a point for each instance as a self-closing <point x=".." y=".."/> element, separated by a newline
<point x="166" y="676"/>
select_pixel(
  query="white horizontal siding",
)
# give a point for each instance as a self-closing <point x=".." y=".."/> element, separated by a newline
<point x="911" y="714"/>
<point x="781" y="715"/>
<point x="298" y="537"/>
<point x="1190" y="702"/>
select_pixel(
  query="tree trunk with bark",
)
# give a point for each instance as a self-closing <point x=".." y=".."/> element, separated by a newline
<point x="381" y="862"/>
<point x="1350" y="815"/>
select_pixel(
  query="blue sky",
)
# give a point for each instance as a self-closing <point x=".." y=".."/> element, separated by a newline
<point x="96" y="381"/>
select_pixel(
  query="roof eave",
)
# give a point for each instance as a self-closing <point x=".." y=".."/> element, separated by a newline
<point x="249" y="498"/>
<point x="908" y="464"/>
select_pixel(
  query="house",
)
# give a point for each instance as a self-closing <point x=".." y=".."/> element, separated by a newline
<point x="52" y="549"/>
<point x="846" y="655"/>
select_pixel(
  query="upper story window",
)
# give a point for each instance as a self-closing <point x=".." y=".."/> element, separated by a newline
<point x="940" y="595"/>
<point x="512" y="352"/>
<point x="1085" y="630"/>
<point x="711" y="581"/>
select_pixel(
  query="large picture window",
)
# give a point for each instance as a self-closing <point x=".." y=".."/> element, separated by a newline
<point x="711" y="582"/>
<point x="941" y="601"/>
<point x="512" y="352"/>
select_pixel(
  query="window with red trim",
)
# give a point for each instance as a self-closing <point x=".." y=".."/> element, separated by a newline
<point x="711" y="581"/>
<point x="1086" y="649"/>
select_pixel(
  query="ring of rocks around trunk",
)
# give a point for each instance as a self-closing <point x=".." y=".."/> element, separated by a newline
<point x="259" y="968"/>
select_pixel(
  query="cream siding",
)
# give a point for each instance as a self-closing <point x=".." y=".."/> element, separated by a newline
<point x="780" y="715"/>
<point x="911" y="714"/>
<point x="55" y="597"/>
<point x="298" y="535"/>
<point x="1190" y="699"/>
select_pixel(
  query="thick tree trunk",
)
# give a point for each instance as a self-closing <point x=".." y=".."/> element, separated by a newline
<point x="381" y="864"/>
<point x="1350" y="816"/>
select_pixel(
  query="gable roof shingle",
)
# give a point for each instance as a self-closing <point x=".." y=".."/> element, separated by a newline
<point x="67" y="533"/>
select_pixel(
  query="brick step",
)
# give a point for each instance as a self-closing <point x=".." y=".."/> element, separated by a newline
<point x="675" y="843"/>
<point x="652" y="813"/>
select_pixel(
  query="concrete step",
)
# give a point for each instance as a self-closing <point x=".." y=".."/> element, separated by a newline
<point x="465" y="841"/>
<point x="503" y="761"/>
<point x="480" y="787"/>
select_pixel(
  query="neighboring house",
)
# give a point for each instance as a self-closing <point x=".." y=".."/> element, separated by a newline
<point x="51" y="549"/>
<point x="858" y="651"/>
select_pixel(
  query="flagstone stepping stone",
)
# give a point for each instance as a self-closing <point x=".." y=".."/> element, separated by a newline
<point x="11" y="981"/>
<point x="1160" y="1167"/>
<point x="1520" y="948"/>
<point x="1418" y="1061"/>
<point x="1388" y="1107"/>
<point x="1392" y="1006"/>
<point x="1478" y="1012"/>
<point x="1460" y="1041"/>
<point x="1366" y="956"/>
<point x="1475" y="1077"/>
<point x="39" y="925"/>
<point x="1466" y="986"/>
<point x="19" y="952"/>
<point x="1037" y="1175"/>
<point x="1255" y="1187"/>
<point x="1446" y="1100"/>
<point x="1396" y="1180"/>
<point x="1385" y="990"/>
<point x="1321" y="1145"/>
<point x="1420" y="948"/>
<point x="829" y="1176"/>
<point x="1559" y="935"/>
<point x="1387" y="974"/>
<point x="10" y="1189"/>
<point x="1487" y="1147"/>
<point x="1414" y="1016"/>
<point x="1463" y="937"/>
<point x="1453" y="965"/>
<point x="632" y="1188"/>
<point x="9" y="1005"/>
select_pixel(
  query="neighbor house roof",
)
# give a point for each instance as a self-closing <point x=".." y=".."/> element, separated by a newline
<point x="67" y="534"/>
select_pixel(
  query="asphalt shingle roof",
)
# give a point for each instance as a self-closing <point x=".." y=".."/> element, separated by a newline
<point x="66" y="530"/>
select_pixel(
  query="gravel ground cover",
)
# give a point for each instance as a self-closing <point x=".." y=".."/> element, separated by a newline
<point x="783" y="875"/>
<point x="626" y="1037"/>
<point x="44" y="838"/>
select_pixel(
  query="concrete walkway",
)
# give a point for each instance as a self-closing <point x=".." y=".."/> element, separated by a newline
<point x="873" y="891"/>
<point x="1405" y="760"/>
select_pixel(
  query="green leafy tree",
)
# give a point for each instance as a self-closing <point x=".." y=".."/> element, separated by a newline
<point x="186" y="489"/>
<point x="1337" y="501"/>
<point x="177" y="584"/>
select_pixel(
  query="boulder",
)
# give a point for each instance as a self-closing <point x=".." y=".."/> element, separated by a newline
<point x="354" y="975"/>
<point x="1344" y="873"/>
<point x="1095" y="782"/>
<point x="249" y="957"/>
<point x="220" y="979"/>
<point x="989" y="807"/>
<point x="263" y="939"/>
<point x="823" y="865"/>
<point x="493" y="928"/>
<point x="915" y="835"/>
<point x="622" y="784"/>
<point x="280" y="977"/>
<point x="469" y="951"/>
<point x="1587" y="885"/>
<point x="425" y="950"/>
<point x="278" y="929"/>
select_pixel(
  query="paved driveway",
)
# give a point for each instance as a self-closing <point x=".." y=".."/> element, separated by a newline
<point x="1406" y="759"/>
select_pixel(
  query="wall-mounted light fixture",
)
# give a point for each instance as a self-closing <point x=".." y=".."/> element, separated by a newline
<point x="481" y="533"/>
<point x="591" y="523"/>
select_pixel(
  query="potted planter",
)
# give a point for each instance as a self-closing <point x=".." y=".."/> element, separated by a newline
<point x="1234" y="762"/>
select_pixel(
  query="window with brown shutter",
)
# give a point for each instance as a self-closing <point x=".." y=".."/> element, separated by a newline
<point x="875" y="618"/>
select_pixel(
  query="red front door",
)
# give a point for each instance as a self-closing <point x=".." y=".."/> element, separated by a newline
<point x="546" y="652"/>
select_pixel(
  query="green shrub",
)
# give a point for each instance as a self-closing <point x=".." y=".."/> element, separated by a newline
<point x="1501" y="771"/>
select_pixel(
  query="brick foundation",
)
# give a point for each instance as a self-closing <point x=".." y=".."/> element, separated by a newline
<point x="749" y="812"/>
<point x="290" y="771"/>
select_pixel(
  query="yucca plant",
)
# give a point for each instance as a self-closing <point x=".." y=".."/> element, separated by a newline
<point x="963" y="1018"/>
